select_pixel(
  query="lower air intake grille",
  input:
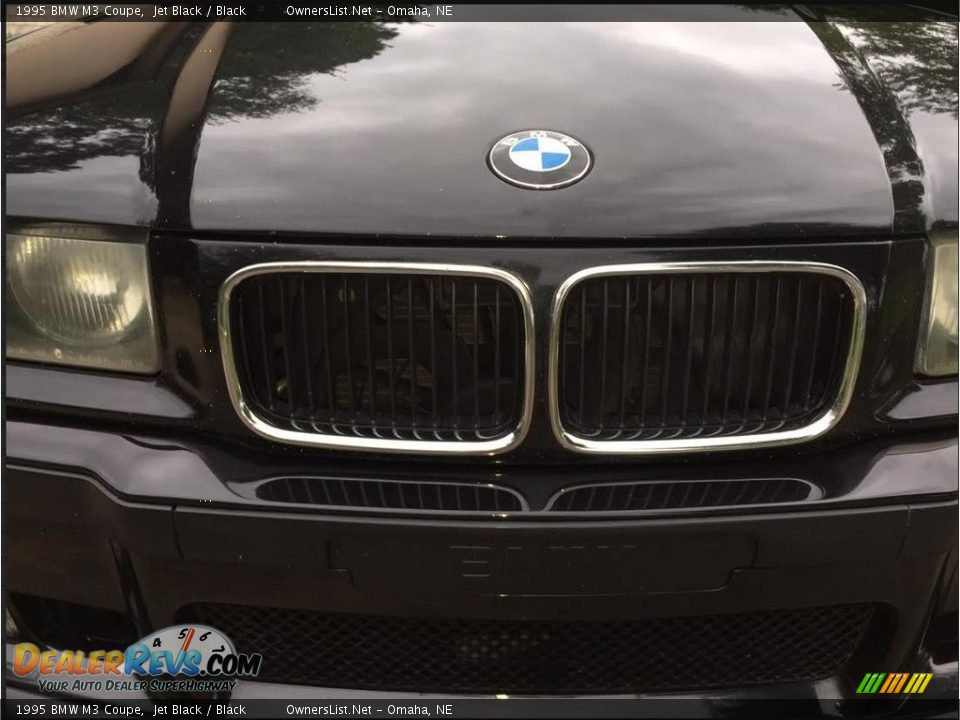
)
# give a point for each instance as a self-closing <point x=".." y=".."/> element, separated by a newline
<point x="696" y="355"/>
<point x="489" y="656"/>
<point x="381" y="356"/>
<point x="390" y="495"/>
<point x="628" y="497"/>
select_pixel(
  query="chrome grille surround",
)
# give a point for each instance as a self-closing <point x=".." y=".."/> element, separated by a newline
<point x="821" y="424"/>
<point x="265" y="429"/>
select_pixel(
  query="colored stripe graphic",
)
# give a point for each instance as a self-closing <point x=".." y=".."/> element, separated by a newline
<point x="894" y="683"/>
<point x="900" y="684"/>
<point x="891" y="680"/>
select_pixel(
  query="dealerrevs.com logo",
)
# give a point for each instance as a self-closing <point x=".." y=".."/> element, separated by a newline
<point x="186" y="658"/>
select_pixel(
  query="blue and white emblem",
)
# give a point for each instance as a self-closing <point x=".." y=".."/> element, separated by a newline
<point x="540" y="159"/>
<point x="540" y="154"/>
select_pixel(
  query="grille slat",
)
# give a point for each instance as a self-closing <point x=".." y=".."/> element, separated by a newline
<point x="665" y="366"/>
<point x="700" y="355"/>
<point x="691" y="330"/>
<point x="811" y="373"/>
<point x="347" y="349"/>
<point x="625" y="362"/>
<point x="646" y="353"/>
<point x="708" y="346"/>
<point x="455" y="357"/>
<point x="768" y="388"/>
<point x="284" y="329"/>
<point x="390" y="494"/>
<point x="476" y="359"/>
<point x="267" y="365"/>
<point x="392" y="369"/>
<point x="728" y="341"/>
<point x="433" y="343"/>
<point x="542" y="656"/>
<point x="583" y="350"/>
<point x="745" y="412"/>
<point x="412" y="358"/>
<point x="837" y="343"/>
<point x="603" y="346"/>
<point x="496" y="354"/>
<point x="680" y="494"/>
<point x="327" y="348"/>
<point x="381" y="355"/>
<point x="311" y="399"/>
<point x="368" y="342"/>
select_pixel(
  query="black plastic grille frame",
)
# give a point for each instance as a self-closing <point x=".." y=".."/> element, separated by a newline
<point x="701" y="354"/>
<point x="390" y="495"/>
<point x="675" y="495"/>
<point x="514" y="656"/>
<point x="380" y="355"/>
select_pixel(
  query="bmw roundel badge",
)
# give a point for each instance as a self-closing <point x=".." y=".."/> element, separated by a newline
<point x="540" y="159"/>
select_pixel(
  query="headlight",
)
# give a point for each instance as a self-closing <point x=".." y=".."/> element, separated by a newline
<point x="937" y="352"/>
<point x="79" y="302"/>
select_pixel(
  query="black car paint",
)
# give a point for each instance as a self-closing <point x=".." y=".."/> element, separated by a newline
<point x="732" y="130"/>
<point x="233" y="185"/>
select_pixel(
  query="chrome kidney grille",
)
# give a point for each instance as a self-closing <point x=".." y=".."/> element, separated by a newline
<point x="644" y="358"/>
<point x="372" y="356"/>
<point x="655" y="358"/>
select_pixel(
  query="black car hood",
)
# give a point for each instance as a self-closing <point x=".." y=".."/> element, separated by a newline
<point x="766" y="129"/>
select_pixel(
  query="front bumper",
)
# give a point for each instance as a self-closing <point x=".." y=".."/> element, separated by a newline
<point x="145" y="528"/>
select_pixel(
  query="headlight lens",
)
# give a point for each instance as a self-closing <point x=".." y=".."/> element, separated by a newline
<point x="80" y="302"/>
<point x="937" y="352"/>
